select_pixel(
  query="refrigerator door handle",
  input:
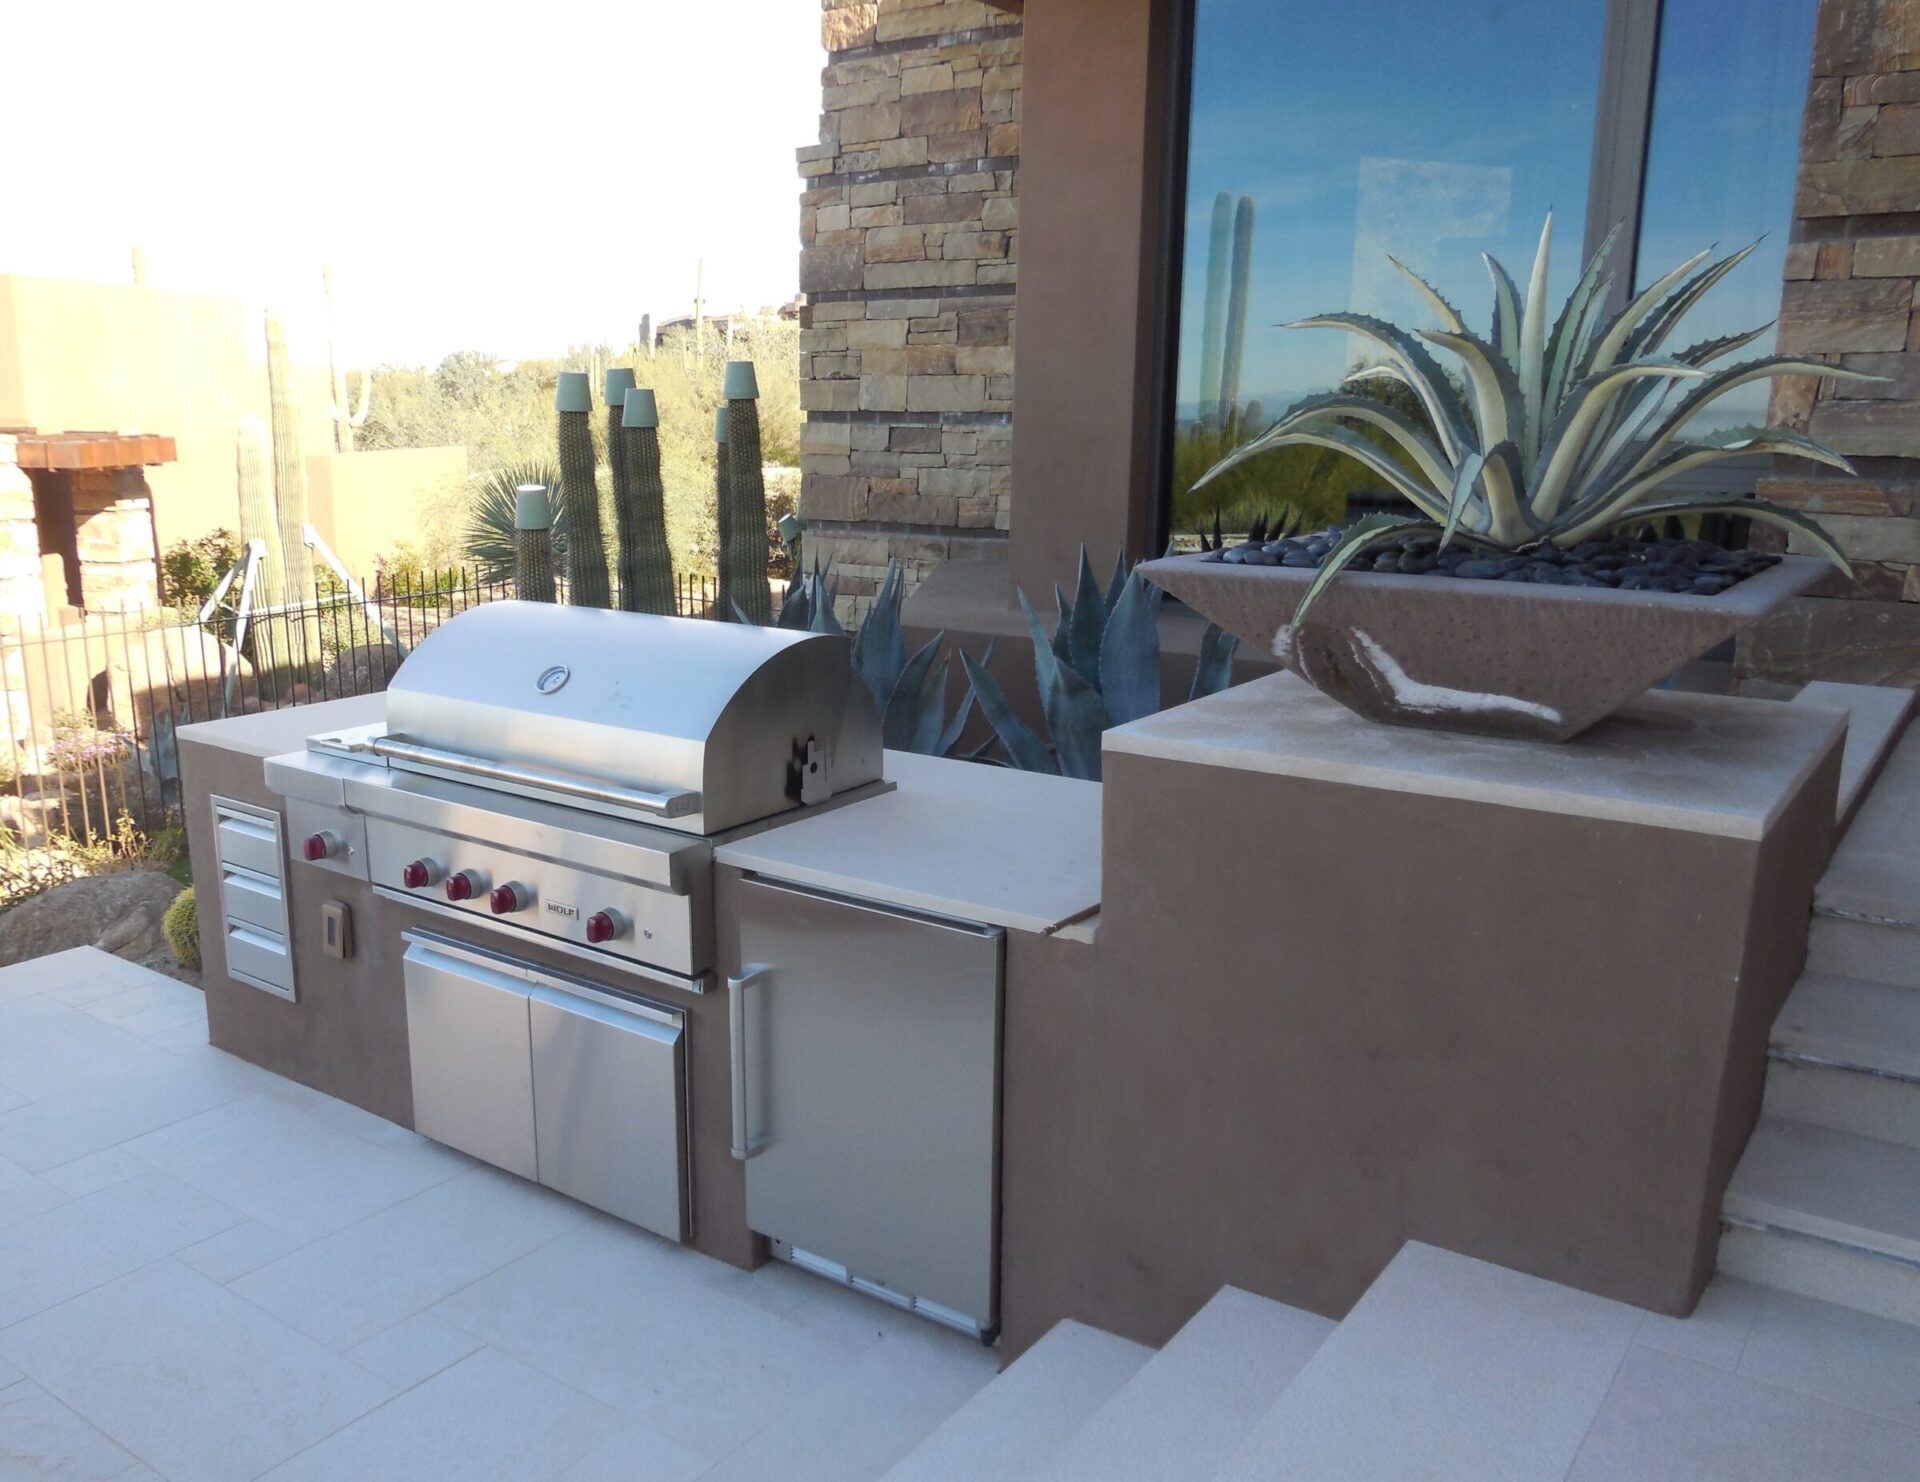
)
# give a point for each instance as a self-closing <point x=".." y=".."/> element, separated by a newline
<point x="746" y="1143"/>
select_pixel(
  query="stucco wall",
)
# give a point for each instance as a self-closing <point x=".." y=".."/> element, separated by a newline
<point x="110" y="357"/>
<point x="368" y="505"/>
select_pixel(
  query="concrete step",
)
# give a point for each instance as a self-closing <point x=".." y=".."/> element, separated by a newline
<point x="1876" y="717"/>
<point x="1875" y="951"/>
<point x="1828" y="1214"/>
<point x="1196" y="1399"/>
<point x="1448" y="1368"/>
<point x="1014" y="1424"/>
<point x="1875" y="873"/>
<point x="1846" y="1055"/>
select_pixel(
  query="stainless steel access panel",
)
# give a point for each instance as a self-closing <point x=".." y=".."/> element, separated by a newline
<point x="575" y="1085"/>
<point x="867" y="1093"/>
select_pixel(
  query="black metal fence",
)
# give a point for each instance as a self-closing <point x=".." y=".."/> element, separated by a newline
<point x="92" y="708"/>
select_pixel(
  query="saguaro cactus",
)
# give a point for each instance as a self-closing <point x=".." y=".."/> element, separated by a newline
<point x="618" y="381"/>
<point x="646" y="562"/>
<point x="298" y="641"/>
<point x="1214" y="316"/>
<point x="722" y="515"/>
<point x="1236" y="336"/>
<point x="586" y="546"/>
<point x="256" y="504"/>
<point x="743" y="536"/>
<point x="346" y="416"/>
<point x="532" y="544"/>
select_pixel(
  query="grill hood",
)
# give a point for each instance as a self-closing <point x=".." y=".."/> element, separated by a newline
<point x="693" y="725"/>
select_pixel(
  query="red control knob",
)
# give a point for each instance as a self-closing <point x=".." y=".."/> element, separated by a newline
<point x="465" y="885"/>
<point x="513" y="896"/>
<point x="323" y="845"/>
<point x="604" y="926"/>
<point x="419" y="874"/>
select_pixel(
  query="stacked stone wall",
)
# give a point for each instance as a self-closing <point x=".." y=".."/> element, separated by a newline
<point x="909" y="245"/>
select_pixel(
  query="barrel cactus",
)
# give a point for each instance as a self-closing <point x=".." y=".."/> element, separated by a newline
<point x="743" y="526"/>
<point x="1559" y="434"/>
<point x="533" y="544"/>
<point x="640" y="517"/>
<point x="180" y="926"/>
<point x="586" y="546"/>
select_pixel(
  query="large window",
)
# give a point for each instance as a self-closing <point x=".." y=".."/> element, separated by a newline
<point x="1327" y="134"/>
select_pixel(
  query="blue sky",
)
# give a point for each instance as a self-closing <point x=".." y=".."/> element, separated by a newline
<point x="1398" y="125"/>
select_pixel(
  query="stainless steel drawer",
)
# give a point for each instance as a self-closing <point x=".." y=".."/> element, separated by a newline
<point x="608" y="1087"/>
<point x="472" y="1062"/>
<point x="253" y="900"/>
<point x="260" y="958"/>
<point x="251" y="842"/>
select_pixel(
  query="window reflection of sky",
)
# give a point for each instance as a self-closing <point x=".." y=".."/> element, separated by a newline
<point x="1396" y="125"/>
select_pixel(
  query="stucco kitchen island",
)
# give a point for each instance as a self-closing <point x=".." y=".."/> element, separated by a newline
<point x="996" y="862"/>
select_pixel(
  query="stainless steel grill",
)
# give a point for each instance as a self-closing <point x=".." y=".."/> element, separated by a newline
<point x="558" y="770"/>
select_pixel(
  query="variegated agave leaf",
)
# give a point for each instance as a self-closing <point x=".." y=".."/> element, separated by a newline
<point x="1406" y="434"/>
<point x="1418" y="368"/>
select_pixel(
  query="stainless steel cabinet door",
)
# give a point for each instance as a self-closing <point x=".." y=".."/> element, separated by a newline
<point x="468" y="1041"/>
<point x="608" y="1088"/>
<point x="870" y="1066"/>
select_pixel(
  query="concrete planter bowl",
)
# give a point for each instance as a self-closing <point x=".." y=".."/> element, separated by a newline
<point x="1495" y="658"/>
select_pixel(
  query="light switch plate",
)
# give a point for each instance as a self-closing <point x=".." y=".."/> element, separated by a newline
<point x="336" y="929"/>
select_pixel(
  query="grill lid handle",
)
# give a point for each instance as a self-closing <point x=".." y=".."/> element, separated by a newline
<point x="677" y="803"/>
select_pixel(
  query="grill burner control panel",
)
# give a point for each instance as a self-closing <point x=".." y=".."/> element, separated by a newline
<point x="526" y="893"/>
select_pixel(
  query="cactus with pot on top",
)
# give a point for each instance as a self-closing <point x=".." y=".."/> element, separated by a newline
<point x="640" y="514"/>
<point x="586" y="546"/>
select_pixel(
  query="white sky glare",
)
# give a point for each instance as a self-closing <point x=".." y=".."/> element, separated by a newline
<point x="513" y="178"/>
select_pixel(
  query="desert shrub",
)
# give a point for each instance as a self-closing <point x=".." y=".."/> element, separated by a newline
<point x="190" y="569"/>
<point x="180" y="925"/>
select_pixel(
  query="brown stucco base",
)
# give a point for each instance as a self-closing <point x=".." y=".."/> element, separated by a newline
<point x="1322" y="1018"/>
<point x="347" y="1033"/>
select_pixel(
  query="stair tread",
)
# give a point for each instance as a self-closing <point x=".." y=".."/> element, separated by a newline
<point x="1447" y="1368"/>
<point x="1848" y="1022"/>
<point x="1015" y="1422"/>
<point x="1832" y="1185"/>
<point x="1875" y="873"/>
<point x="1876" y="715"/>
<point x="1186" y="1409"/>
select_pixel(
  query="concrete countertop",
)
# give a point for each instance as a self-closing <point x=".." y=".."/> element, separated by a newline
<point x="273" y="732"/>
<point x="956" y="839"/>
<point x="1707" y="764"/>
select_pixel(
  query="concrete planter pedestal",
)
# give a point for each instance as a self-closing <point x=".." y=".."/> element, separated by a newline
<point x="1354" y="985"/>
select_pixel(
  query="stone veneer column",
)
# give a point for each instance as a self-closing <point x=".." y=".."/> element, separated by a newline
<point x="1852" y="297"/>
<point x="909" y="224"/>
<point x="23" y="593"/>
<point x="113" y="530"/>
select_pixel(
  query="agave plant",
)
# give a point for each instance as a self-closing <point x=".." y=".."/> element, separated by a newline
<point x="489" y="536"/>
<point x="1561" y="433"/>
<point x="911" y="693"/>
<point x="1100" y="668"/>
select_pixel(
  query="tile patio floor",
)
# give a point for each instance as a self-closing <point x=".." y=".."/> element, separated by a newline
<point x="210" y="1274"/>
